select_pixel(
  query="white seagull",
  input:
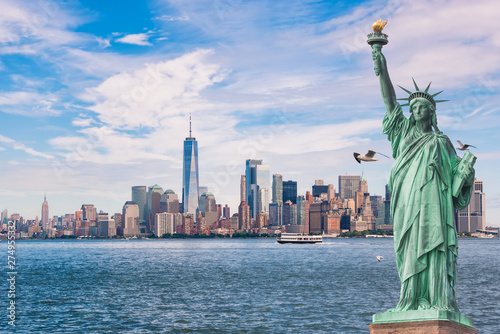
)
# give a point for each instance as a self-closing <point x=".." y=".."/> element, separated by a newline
<point x="379" y="257"/>
<point x="367" y="157"/>
<point x="464" y="147"/>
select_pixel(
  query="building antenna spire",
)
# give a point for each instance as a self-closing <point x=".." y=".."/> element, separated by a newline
<point x="189" y="125"/>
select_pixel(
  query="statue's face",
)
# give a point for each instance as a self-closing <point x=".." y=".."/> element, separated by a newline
<point x="421" y="112"/>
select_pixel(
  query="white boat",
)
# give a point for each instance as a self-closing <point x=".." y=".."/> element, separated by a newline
<point x="297" y="238"/>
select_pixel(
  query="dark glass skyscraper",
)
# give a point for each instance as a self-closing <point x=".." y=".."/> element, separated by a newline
<point x="190" y="175"/>
<point x="290" y="191"/>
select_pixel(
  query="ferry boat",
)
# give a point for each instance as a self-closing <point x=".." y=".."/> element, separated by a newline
<point x="297" y="238"/>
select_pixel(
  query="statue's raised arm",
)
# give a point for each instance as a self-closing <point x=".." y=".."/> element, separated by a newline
<point x="377" y="40"/>
<point x="381" y="71"/>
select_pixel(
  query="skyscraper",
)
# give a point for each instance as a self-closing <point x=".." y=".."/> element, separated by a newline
<point x="130" y="219"/>
<point x="244" y="216"/>
<point x="139" y="196"/>
<point x="190" y="175"/>
<point x="278" y="189"/>
<point x="290" y="191"/>
<point x="258" y="186"/>
<point x="169" y="202"/>
<point x="243" y="188"/>
<point x="89" y="213"/>
<point x="319" y="188"/>
<point x="153" y="207"/>
<point x="473" y="217"/>
<point x="387" y="206"/>
<point x="348" y="185"/>
<point x="45" y="213"/>
<point x="5" y="216"/>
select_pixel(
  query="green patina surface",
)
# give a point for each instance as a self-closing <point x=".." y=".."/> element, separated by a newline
<point x="425" y="171"/>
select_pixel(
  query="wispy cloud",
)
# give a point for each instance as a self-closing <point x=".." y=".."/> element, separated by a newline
<point x="170" y="18"/>
<point x="28" y="103"/>
<point x="19" y="146"/>
<point x="137" y="39"/>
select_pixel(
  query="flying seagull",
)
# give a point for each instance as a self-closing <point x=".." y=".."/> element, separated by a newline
<point x="464" y="147"/>
<point x="367" y="157"/>
<point x="379" y="257"/>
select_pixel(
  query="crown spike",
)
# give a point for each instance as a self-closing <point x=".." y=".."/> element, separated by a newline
<point x="404" y="105"/>
<point x="437" y="101"/>
<point x="406" y="90"/>
<point x="416" y="87"/>
<point x="428" y="86"/>
<point x="437" y="93"/>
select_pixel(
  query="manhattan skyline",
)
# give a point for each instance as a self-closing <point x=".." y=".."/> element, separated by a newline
<point x="94" y="100"/>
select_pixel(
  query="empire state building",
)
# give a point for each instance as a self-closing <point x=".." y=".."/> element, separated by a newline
<point x="190" y="175"/>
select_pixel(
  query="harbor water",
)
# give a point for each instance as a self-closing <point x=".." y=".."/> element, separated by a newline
<point x="226" y="285"/>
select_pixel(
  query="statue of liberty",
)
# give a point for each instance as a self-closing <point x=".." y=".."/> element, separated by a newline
<point x="427" y="182"/>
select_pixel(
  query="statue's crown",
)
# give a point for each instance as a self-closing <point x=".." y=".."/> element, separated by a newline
<point x="421" y="94"/>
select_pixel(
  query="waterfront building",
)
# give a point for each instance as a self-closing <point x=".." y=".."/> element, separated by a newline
<point x="101" y="216"/>
<point x="140" y="196"/>
<point x="473" y="217"/>
<point x="261" y="220"/>
<point x="275" y="214"/>
<point x="208" y="208"/>
<point x="244" y="216"/>
<point x="169" y="202"/>
<point x="277" y="189"/>
<point x="235" y="221"/>
<point x="290" y="191"/>
<point x="258" y="186"/>
<point x="164" y="223"/>
<point x="243" y="188"/>
<point x="289" y="213"/>
<point x="190" y="175"/>
<point x="348" y="185"/>
<point x="387" y="206"/>
<point x="358" y="225"/>
<point x="226" y="212"/>
<point x="319" y="188"/>
<point x="5" y="216"/>
<point x="153" y="207"/>
<point x="45" y="213"/>
<point x="376" y="202"/>
<point x="107" y="228"/>
<point x="331" y="192"/>
<point x="317" y="212"/>
<point x="301" y="210"/>
<point x="130" y="219"/>
<point x="331" y="223"/>
<point x="89" y="213"/>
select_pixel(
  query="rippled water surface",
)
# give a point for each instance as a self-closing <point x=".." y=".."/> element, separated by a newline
<point x="227" y="286"/>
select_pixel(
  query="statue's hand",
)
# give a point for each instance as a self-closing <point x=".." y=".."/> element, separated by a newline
<point x="379" y="61"/>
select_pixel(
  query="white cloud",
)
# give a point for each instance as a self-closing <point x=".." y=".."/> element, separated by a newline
<point x="28" y="103"/>
<point x="19" y="146"/>
<point x="170" y="18"/>
<point x="148" y="96"/>
<point x="103" y="42"/>
<point x="137" y="39"/>
<point x="82" y="122"/>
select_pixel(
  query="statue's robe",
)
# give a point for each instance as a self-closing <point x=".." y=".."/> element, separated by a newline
<point x="422" y="211"/>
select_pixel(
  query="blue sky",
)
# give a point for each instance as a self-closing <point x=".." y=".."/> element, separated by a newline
<point x="95" y="96"/>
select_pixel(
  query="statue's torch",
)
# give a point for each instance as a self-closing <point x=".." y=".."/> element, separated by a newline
<point x="377" y="39"/>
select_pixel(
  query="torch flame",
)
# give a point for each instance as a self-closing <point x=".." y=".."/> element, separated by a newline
<point x="379" y="25"/>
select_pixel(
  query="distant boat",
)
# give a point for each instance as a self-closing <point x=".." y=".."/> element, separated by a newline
<point x="297" y="238"/>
